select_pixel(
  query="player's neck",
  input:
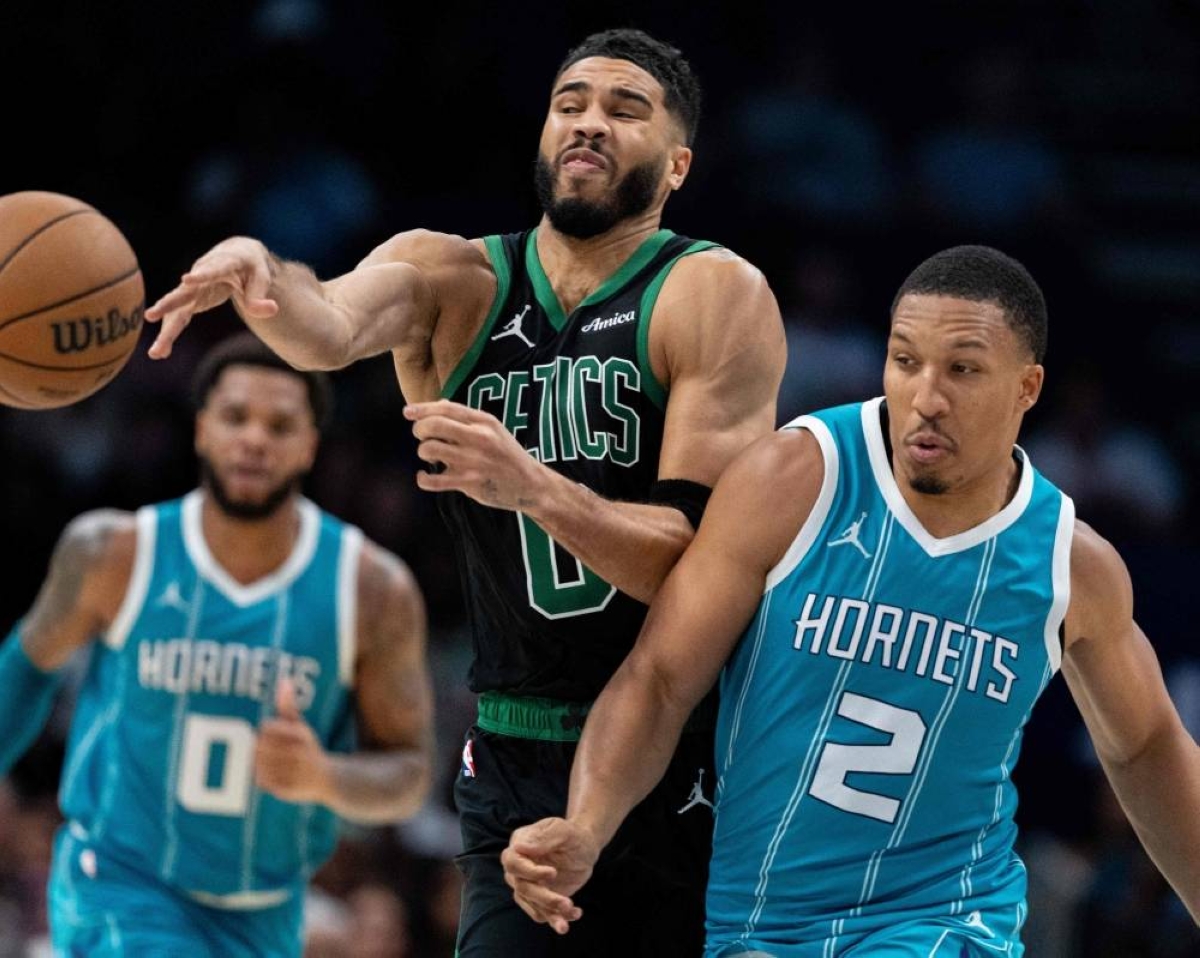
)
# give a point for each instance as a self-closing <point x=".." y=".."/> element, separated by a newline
<point x="966" y="506"/>
<point x="577" y="267"/>
<point x="249" y="549"/>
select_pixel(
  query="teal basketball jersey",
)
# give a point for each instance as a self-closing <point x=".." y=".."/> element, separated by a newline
<point x="872" y="712"/>
<point x="159" y="767"/>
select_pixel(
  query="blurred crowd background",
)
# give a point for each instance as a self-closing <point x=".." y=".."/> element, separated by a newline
<point x="841" y="144"/>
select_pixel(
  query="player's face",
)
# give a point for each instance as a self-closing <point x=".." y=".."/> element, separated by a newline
<point x="958" y="380"/>
<point x="256" y="439"/>
<point x="610" y="150"/>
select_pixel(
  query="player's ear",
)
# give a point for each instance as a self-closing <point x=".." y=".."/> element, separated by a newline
<point x="680" y="159"/>
<point x="1032" y="378"/>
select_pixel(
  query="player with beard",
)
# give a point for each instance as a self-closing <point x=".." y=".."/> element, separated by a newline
<point x="580" y="386"/>
<point x="242" y="643"/>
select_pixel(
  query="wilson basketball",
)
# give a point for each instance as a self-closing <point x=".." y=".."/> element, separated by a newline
<point x="71" y="300"/>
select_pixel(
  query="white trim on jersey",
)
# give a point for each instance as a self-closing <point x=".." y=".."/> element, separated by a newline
<point x="347" y="602"/>
<point x="246" y="595"/>
<point x="1060" y="576"/>
<point x="139" y="580"/>
<point x="933" y="546"/>
<point x="820" y="510"/>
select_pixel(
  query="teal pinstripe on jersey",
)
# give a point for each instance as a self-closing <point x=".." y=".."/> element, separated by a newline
<point x="872" y="713"/>
<point x="158" y="772"/>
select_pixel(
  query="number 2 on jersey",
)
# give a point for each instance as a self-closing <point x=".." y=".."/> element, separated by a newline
<point x="897" y="757"/>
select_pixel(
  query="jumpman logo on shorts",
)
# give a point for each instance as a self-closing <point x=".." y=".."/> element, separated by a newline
<point x="697" y="795"/>
<point x="850" y="537"/>
<point x="513" y="328"/>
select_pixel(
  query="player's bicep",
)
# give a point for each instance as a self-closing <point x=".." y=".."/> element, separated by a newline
<point x="1109" y="664"/>
<point x="725" y="364"/>
<point x="391" y="678"/>
<point x="89" y="571"/>
<point x="1118" y="686"/>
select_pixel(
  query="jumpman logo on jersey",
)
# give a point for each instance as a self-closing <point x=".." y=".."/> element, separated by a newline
<point x="172" y="598"/>
<point x="697" y="795"/>
<point x="513" y="328"/>
<point x="850" y="537"/>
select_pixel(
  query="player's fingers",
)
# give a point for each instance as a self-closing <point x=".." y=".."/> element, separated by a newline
<point x="444" y="407"/>
<point x="437" y="482"/>
<point x="435" y="450"/>
<point x="547" y="906"/>
<point x="285" y="700"/>
<point x="519" y="868"/>
<point x="173" y="325"/>
<point x="259" y="308"/>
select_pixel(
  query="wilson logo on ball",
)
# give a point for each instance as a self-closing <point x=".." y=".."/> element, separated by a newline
<point x="76" y="335"/>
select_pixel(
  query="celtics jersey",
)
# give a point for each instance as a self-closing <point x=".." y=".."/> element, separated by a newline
<point x="159" y="771"/>
<point x="578" y="393"/>
<point x="872" y="713"/>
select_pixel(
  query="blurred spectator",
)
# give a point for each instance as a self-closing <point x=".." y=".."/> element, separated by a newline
<point x="990" y="170"/>
<point x="1122" y="476"/>
<point x="804" y="148"/>
<point x="833" y="356"/>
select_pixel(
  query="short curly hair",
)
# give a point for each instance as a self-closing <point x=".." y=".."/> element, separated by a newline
<point x="985" y="275"/>
<point x="246" y="349"/>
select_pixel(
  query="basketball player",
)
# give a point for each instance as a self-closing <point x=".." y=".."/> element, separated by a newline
<point x="889" y="585"/>
<point x="244" y="641"/>
<point x="581" y="386"/>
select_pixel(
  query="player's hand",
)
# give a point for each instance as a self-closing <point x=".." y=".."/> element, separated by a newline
<point x="237" y="269"/>
<point x="545" y="863"/>
<point x="289" y="761"/>
<point x="480" y="457"/>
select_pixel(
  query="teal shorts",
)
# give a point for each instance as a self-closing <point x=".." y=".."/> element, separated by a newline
<point x="976" y="935"/>
<point x="100" y="908"/>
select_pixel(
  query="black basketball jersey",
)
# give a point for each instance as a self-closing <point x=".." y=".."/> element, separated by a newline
<point x="578" y="393"/>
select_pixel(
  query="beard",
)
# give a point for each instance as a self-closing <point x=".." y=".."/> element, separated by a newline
<point x="929" y="485"/>
<point x="249" y="511"/>
<point x="583" y="219"/>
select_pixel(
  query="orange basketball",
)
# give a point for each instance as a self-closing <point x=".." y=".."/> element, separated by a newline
<point x="71" y="300"/>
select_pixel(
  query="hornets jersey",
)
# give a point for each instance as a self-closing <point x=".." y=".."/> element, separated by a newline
<point x="578" y="392"/>
<point x="872" y="712"/>
<point x="159" y="771"/>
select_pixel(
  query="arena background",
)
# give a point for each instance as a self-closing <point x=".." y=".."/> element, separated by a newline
<point x="841" y="145"/>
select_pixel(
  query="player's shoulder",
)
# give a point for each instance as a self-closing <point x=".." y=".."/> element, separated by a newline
<point x="1101" y="590"/>
<point x="717" y="267"/>
<point x="428" y="246"/>
<point x="787" y="458"/>
<point x="383" y="577"/>
<point x="100" y="533"/>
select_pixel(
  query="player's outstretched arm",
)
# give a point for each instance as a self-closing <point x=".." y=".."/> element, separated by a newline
<point x="392" y="299"/>
<point x="78" y="600"/>
<point x="717" y="341"/>
<point x="1150" y="758"/>
<point x="388" y="779"/>
<point x="694" y="622"/>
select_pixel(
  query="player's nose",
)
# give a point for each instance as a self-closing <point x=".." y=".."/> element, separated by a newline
<point x="590" y="125"/>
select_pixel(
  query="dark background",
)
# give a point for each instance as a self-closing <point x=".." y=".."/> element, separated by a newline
<point x="840" y="146"/>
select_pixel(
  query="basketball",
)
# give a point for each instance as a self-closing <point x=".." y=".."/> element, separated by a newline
<point x="71" y="300"/>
